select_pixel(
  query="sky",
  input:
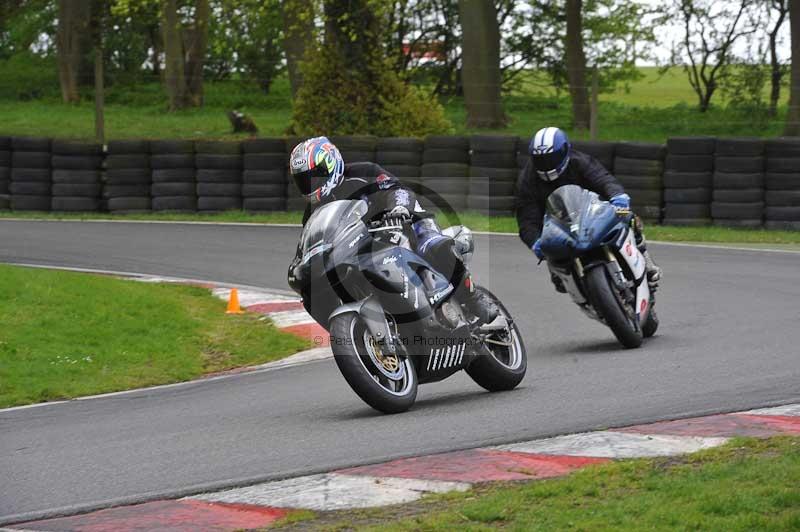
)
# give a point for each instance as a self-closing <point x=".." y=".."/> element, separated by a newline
<point x="673" y="33"/>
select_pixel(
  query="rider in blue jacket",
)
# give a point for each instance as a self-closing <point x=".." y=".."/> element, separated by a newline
<point x="552" y="163"/>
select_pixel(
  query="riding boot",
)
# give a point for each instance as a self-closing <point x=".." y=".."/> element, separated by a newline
<point x="558" y="283"/>
<point x="440" y="251"/>
<point x="478" y="303"/>
<point x="653" y="270"/>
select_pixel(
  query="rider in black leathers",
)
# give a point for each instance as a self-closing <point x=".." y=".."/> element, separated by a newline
<point x="553" y="163"/>
<point x="322" y="176"/>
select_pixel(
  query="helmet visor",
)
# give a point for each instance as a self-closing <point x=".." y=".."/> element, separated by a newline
<point x="310" y="181"/>
<point x="547" y="162"/>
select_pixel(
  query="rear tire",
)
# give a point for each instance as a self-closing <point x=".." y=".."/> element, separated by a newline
<point x="504" y="370"/>
<point x="352" y="355"/>
<point x="606" y="303"/>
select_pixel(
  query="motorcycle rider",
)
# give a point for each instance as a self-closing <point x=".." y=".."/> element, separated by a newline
<point x="321" y="175"/>
<point x="552" y="163"/>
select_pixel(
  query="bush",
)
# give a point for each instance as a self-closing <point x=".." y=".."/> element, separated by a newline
<point x="335" y="100"/>
<point x="25" y="76"/>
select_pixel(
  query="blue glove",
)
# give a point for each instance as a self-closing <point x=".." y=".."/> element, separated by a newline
<point x="621" y="201"/>
<point x="537" y="249"/>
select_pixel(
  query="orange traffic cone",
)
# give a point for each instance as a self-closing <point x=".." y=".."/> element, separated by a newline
<point x="233" y="303"/>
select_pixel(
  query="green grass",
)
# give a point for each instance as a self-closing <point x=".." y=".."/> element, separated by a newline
<point x="476" y="222"/>
<point x="68" y="334"/>
<point x="745" y="485"/>
<point x="651" y="109"/>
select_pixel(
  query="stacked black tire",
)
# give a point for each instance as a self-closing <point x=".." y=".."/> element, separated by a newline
<point x="294" y="201"/>
<point x="688" y="178"/>
<point x="127" y="183"/>
<point x="493" y="174"/>
<point x="738" y="199"/>
<point x="639" y="167"/>
<point x="77" y="176"/>
<point x="782" y="183"/>
<point x="5" y="172"/>
<point x="401" y="157"/>
<point x="174" y="182"/>
<point x="31" y="180"/>
<point x="264" y="176"/>
<point x="445" y="171"/>
<point x="602" y="151"/>
<point x="219" y="176"/>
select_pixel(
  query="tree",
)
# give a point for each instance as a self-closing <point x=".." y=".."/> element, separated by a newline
<point x="298" y="34"/>
<point x="710" y="29"/>
<point x="185" y="44"/>
<point x="781" y="9"/>
<point x="424" y="41"/>
<point x="245" y="40"/>
<point x="71" y="43"/>
<point x="793" y="116"/>
<point x="350" y="87"/>
<point x="481" y="64"/>
<point x="576" y="65"/>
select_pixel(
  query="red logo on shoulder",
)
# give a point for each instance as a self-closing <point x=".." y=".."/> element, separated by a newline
<point x="629" y="249"/>
<point x="383" y="181"/>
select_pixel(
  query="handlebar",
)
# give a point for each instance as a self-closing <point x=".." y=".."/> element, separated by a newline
<point x="390" y="223"/>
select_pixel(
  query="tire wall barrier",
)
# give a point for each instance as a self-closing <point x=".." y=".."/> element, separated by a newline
<point x="31" y="178"/>
<point x="5" y="173"/>
<point x="734" y="182"/>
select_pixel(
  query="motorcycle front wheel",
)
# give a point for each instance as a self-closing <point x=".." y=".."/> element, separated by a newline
<point x="385" y="381"/>
<point x="606" y="301"/>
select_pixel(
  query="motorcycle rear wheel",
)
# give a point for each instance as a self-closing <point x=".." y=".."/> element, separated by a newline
<point x="606" y="302"/>
<point x="499" y="368"/>
<point x="388" y="383"/>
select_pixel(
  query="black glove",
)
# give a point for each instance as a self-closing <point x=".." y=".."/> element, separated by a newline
<point x="398" y="212"/>
<point x="295" y="280"/>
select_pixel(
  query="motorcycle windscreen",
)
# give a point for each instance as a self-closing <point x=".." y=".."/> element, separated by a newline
<point x="583" y="215"/>
<point x="329" y="223"/>
<point x="563" y="214"/>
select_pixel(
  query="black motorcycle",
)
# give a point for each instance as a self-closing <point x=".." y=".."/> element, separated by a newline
<point x="395" y="321"/>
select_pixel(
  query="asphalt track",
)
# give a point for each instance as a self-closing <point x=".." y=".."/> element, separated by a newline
<point x="729" y="341"/>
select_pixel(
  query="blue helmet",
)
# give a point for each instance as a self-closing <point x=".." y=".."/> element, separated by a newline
<point x="550" y="150"/>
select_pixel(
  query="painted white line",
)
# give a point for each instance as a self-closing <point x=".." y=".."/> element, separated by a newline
<point x="160" y="222"/>
<point x="722" y="247"/>
<point x="288" y="318"/>
<point x="787" y="410"/>
<point x="607" y="444"/>
<point x="144" y="277"/>
<point x="334" y="492"/>
<point x="298" y="359"/>
<point x="297" y="226"/>
<point x="249" y="297"/>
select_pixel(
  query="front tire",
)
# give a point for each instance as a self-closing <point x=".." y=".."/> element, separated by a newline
<point x="387" y="383"/>
<point x="499" y="368"/>
<point x="606" y="302"/>
<point x="650" y="325"/>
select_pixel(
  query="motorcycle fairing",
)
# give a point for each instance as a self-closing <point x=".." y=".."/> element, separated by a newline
<point x="597" y="225"/>
<point x="635" y="260"/>
<point x="399" y="271"/>
<point x="371" y="312"/>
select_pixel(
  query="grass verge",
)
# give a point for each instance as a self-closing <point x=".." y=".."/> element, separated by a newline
<point x="653" y="108"/>
<point x="748" y="484"/>
<point x="67" y="334"/>
<point x="476" y="222"/>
